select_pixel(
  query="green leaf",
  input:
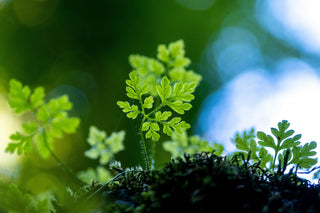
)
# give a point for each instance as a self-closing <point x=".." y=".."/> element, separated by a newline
<point x="175" y="124"/>
<point x="115" y="141"/>
<point x="64" y="124"/>
<point x="153" y="135"/>
<point x="301" y="155"/>
<point x="275" y="132"/>
<point x="145" y="65"/>
<point x="289" y="143"/>
<point x="19" y="96"/>
<point x="95" y="135"/>
<point x="180" y="74"/>
<point x="132" y="111"/>
<point x="179" y="106"/>
<point x="164" y="90"/>
<point x="51" y="117"/>
<point x="134" y="80"/>
<point x="131" y="93"/>
<point x="58" y="105"/>
<point x="266" y="140"/>
<point x="176" y="48"/>
<point x="30" y="127"/>
<point x="102" y="147"/>
<point x="182" y="91"/>
<point x="163" y="53"/>
<point x="265" y="157"/>
<point x="162" y="116"/>
<point x="26" y="202"/>
<point x="145" y="126"/>
<point x="148" y="102"/>
<point x="242" y="143"/>
<point x="151" y="128"/>
<point x="21" y="144"/>
<point x="37" y="97"/>
<point x="41" y="142"/>
<point x="43" y="114"/>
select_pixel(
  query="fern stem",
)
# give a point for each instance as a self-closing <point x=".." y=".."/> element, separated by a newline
<point x="275" y="155"/>
<point x="60" y="163"/>
<point x="144" y="146"/>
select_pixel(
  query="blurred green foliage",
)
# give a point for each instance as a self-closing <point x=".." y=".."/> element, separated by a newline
<point x="81" y="48"/>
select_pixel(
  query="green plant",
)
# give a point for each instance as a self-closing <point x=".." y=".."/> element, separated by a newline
<point x="156" y="102"/>
<point x="286" y="148"/>
<point x="104" y="148"/>
<point x="48" y="121"/>
<point x="182" y="143"/>
<point x="26" y="202"/>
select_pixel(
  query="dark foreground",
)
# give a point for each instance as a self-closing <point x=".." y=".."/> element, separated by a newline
<point x="201" y="183"/>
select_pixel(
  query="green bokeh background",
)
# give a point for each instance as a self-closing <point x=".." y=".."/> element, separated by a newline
<point x="81" y="48"/>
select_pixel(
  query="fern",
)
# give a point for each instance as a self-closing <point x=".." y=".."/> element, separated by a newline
<point x="26" y="202"/>
<point x="157" y="102"/>
<point x="284" y="144"/>
<point x="49" y="120"/>
<point x="103" y="148"/>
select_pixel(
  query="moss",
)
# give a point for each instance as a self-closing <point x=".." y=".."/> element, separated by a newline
<point x="206" y="183"/>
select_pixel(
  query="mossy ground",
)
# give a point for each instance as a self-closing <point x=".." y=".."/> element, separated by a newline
<point x="207" y="183"/>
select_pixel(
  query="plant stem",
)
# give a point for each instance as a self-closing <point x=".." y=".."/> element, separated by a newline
<point x="275" y="155"/>
<point x="60" y="163"/>
<point x="153" y="153"/>
<point x="145" y="151"/>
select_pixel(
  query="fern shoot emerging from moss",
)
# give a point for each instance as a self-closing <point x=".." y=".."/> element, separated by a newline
<point x="285" y="146"/>
<point x="104" y="148"/>
<point x="160" y="89"/>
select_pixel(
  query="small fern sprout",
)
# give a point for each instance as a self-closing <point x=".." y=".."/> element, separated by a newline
<point x="160" y="90"/>
<point x="102" y="148"/>
<point x="285" y="145"/>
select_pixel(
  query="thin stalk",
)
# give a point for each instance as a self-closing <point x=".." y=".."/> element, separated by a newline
<point x="275" y="155"/>
<point x="153" y="153"/>
<point x="60" y="163"/>
<point x="104" y="185"/>
<point x="144" y="146"/>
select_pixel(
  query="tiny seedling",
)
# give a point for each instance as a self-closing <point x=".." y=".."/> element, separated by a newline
<point x="103" y="148"/>
<point x="158" y="88"/>
<point x="285" y="146"/>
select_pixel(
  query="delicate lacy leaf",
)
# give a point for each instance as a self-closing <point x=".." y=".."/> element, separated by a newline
<point x="26" y="202"/>
<point x="104" y="147"/>
<point x="180" y="74"/>
<point x="164" y="90"/>
<point x="143" y="65"/>
<point x="286" y="150"/>
<point x="175" y="124"/>
<point x="51" y="117"/>
<point x="182" y="91"/>
<point x="19" y="96"/>
<point x="152" y="129"/>
<point x="162" y="116"/>
<point x="148" y="102"/>
<point x="266" y="140"/>
<point x="132" y="111"/>
<point x="21" y="144"/>
<point x="301" y="155"/>
<point x="37" y="97"/>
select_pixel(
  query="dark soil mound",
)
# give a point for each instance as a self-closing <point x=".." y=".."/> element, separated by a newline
<point x="209" y="183"/>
